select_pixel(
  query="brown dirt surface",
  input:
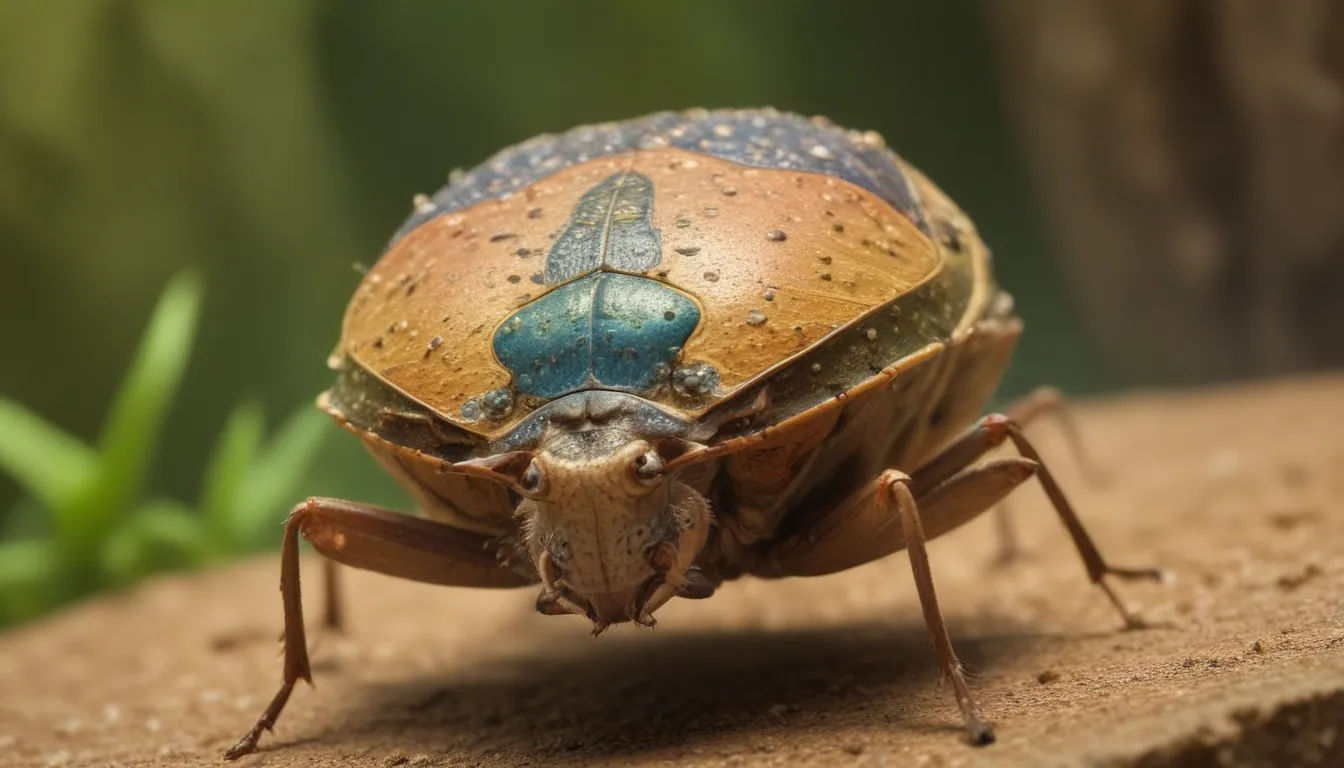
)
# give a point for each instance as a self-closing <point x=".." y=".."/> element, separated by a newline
<point x="1238" y="491"/>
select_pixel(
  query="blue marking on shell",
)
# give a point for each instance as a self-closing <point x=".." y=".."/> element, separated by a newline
<point x="758" y="138"/>
<point x="606" y="330"/>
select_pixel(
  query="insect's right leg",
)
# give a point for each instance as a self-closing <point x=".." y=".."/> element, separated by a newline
<point x="333" y="615"/>
<point x="893" y="490"/>
<point x="375" y="539"/>
<point x="1042" y="401"/>
<point x="955" y="464"/>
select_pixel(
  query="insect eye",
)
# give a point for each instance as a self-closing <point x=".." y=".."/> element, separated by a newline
<point x="533" y="480"/>
<point x="648" y="466"/>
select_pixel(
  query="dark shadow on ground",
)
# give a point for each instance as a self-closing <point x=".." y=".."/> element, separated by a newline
<point x="672" y="691"/>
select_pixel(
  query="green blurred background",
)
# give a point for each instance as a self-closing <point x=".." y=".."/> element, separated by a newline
<point x="270" y="146"/>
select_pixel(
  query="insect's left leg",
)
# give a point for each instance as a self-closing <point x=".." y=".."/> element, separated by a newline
<point x="989" y="433"/>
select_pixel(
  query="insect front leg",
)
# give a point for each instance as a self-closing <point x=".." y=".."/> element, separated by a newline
<point x="375" y="539"/>
<point x="893" y="490"/>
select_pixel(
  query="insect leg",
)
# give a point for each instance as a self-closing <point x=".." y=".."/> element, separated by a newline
<point x="992" y="431"/>
<point x="1049" y="401"/>
<point x="859" y="529"/>
<point x="894" y="489"/>
<point x="1042" y="401"/>
<point x="296" y="644"/>
<point x="375" y="539"/>
<point x="333" y="614"/>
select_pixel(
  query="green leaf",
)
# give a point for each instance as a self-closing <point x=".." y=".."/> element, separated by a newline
<point x="28" y="569"/>
<point x="272" y="485"/>
<point x="160" y="535"/>
<point x="51" y="465"/>
<point x="227" y="473"/>
<point x="141" y="405"/>
<point x="27" y="519"/>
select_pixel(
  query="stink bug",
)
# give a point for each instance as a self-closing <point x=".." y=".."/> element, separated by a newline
<point x="633" y="361"/>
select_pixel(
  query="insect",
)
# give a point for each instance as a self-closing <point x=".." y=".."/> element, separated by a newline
<point x="636" y="360"/>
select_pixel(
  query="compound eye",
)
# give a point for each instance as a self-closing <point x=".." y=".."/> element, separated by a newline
<point x="533" y="479"/>
<point x="649" y="466"/>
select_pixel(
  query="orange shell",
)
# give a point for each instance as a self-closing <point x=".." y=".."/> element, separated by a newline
<point x="775" y="260"/>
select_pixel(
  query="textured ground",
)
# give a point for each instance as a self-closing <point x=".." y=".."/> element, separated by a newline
<point x="1240" y="492"/>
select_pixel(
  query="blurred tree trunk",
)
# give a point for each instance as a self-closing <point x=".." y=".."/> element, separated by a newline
<point x="1190" y="157"/>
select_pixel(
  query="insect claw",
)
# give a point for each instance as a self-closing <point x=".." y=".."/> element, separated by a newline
<point x="980" y="734"/>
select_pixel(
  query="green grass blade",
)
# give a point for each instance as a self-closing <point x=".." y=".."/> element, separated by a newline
<point x="28" y="568"/>
<point x="227" y="473"/>
<point x="272" y="485"/>
<point x="141" y="405"/>
<point x="49" y="464"/>
<point x="161" y="535"/>
<point x="27" y="519"/>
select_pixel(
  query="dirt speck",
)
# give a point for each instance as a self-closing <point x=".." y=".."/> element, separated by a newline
<point x="1297" y="578"/>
